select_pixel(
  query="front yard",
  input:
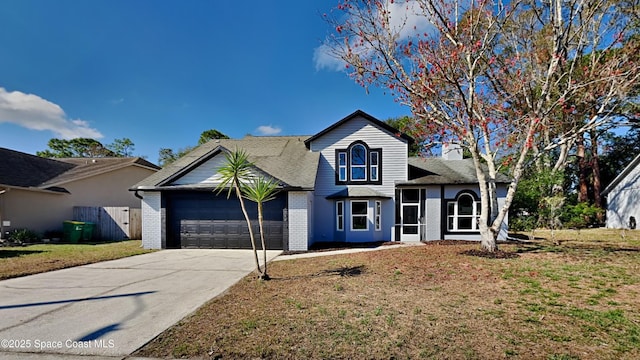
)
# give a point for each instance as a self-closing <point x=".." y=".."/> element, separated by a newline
<point x="33" y="259"/>
<point x="576" y="297"/>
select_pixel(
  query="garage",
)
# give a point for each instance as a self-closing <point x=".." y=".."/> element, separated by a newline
<point x="204" y="220"/>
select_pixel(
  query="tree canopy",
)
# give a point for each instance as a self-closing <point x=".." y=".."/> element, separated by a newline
<point x="167" y="155"/>
<point x="508" y="81"/>
<point x="85" y="147"/>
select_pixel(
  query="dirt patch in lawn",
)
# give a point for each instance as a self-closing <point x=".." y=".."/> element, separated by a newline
<point x="431" y="301"/>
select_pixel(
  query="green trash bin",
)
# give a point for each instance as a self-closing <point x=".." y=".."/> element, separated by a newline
<point x="72" y="231"/>
<point x="87" y="231"/>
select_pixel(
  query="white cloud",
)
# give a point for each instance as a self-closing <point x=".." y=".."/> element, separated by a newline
<point x="35" y="113"/>
<point x="407" y="19"/>
<point x="324" y="60"/>
<point x="268" y="130"/>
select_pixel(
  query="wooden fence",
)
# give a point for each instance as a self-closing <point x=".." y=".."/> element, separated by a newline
<point x="112" y="223"/>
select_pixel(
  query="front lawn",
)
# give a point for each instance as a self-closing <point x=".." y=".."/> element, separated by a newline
<point x="576" y="300"/>
<point x="33" y="259"/>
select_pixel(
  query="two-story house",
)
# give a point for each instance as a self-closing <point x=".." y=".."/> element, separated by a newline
<point x="351" y="182"/>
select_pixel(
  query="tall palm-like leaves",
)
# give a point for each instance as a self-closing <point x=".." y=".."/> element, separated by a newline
<point x="261" y="190"/>
<point x="235" y="171"/>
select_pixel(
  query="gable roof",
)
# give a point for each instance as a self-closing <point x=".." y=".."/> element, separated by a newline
<point x="284" y="158"/>
<point x="359" y="113"/>
<point x="87" y="167"/>
<point x="24" y="170"/>
<point x="18" y="169"/>
<point x="428" y="171"/>
<point x="632" y="165"/>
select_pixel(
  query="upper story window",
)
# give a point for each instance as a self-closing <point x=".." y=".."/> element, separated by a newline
<point x="358" y="164"/>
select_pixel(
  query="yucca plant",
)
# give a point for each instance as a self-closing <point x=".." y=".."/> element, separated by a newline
<point x="236" y="171"/>
<point x="261" y="190"/>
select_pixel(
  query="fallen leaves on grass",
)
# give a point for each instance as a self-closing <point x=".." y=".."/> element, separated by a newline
<point x="423" y="302"/>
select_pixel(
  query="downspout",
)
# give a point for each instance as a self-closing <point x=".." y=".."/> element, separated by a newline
<point x="2" y="192"/>
<point x="138" y="195"/>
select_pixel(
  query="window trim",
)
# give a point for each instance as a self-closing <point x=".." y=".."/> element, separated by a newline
<point x="353" y="166"/>
<point x="372" y="166"/>
<point x="342" y="166"/>
<point x="377" y="215"/>
<point x="475" y="216"/>
<point x="348" y="168"/>
<point x="352" y="215"/>
<point x="339" y="216"/>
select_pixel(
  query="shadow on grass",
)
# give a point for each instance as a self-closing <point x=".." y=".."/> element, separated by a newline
<point x="570" y="246"/>
<point x="343" y="271"/>
<point x="5" y="254"/>
<point x="498" y="254"/>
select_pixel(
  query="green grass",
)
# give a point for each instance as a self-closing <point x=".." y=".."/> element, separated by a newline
<point x="33" y="259"/>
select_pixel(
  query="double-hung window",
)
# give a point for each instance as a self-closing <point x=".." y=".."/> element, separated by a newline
<point x="358" y="164"/>
<point x="373" y="165"/>
<point x="340" y="215"/>
<point x="359" y="215"/>
<point x="342" y="166"/>
<point x="378" y="215"/>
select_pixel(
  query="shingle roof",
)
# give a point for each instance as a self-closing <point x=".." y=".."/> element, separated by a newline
<point x="86" y="167"/>
<point x="284" y="158"/>
<point x="425" y="171"/>
<point x="632" y="165"/>
<point x="358" y="192"/>
<point x="25" y="170"/>
<point x="28" y="171"/>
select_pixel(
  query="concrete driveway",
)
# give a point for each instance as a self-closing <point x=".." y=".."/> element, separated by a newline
<point x="112" y="308"/>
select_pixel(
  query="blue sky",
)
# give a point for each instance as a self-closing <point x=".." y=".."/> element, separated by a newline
<point x="160" y="72"/>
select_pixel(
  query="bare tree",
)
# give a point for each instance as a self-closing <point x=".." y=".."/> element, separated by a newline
<point x="491" y="75"/>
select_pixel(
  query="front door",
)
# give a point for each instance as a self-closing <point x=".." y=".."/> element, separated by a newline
<point x="410" y="215"/>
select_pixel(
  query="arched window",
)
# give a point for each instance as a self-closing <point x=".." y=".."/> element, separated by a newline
<point x="358" y="164"/>
<point x="463" y="213"/>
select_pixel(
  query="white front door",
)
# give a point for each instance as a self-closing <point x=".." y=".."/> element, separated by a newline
<point x="410" y="215"/>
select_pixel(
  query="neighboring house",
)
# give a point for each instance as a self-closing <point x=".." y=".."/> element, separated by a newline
<point x="623" y="198"/>
<point x="39" y="194"/>
<point x="352" y="182"/>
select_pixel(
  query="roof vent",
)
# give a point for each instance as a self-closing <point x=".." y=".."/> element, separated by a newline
<point x="94" y="161"/>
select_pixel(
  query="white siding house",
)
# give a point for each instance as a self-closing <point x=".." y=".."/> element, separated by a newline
<point x="623" y="198"/>
<point x="365" y="194"/>
<point x="352" y="182"/>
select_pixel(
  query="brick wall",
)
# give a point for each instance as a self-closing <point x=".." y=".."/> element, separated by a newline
<point x="298" y="221"/>
<point x="151" y="220"/>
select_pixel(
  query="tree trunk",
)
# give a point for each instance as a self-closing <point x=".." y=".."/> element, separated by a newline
<point x="264" y="276"/>
<point x="488" y="239"/>
<point x="595" y="171"/>
<point x="583" y="171"/>
<point x="246" y="217"/>
<point x="487" y="236"/>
